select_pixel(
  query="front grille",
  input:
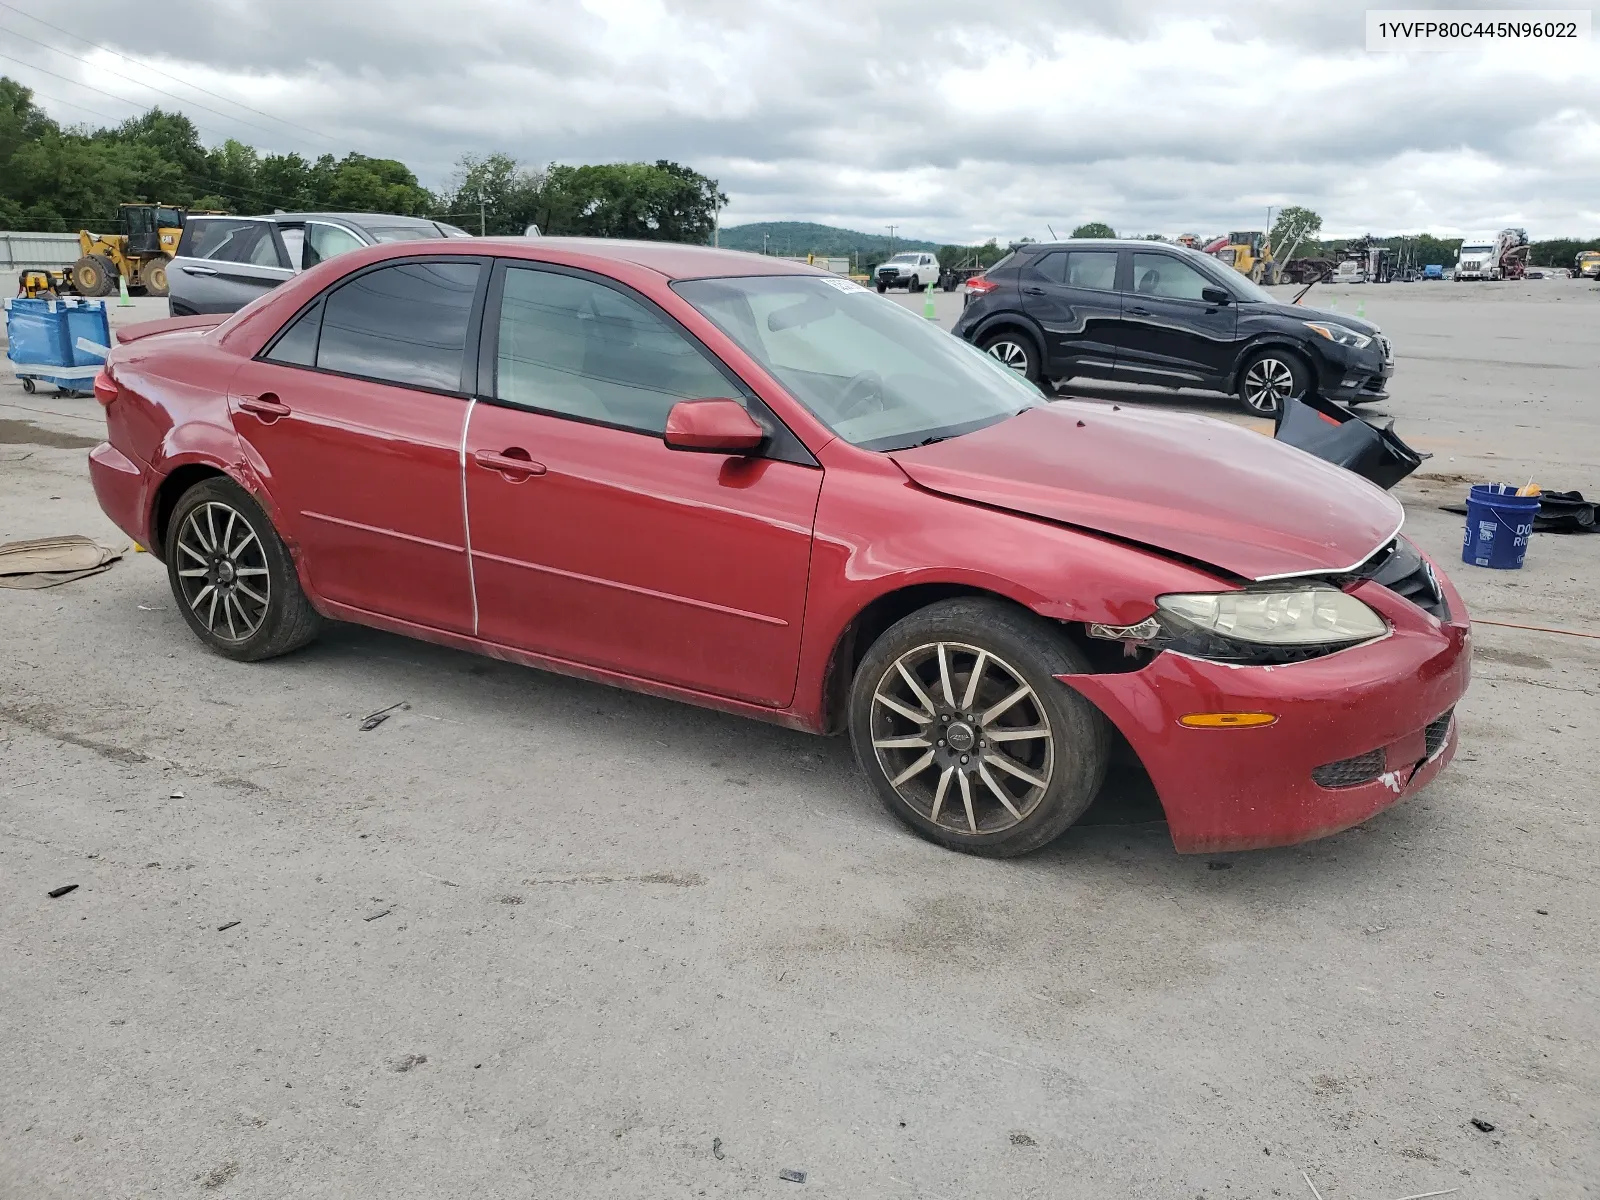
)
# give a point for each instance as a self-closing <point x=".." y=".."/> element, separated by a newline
<point x="1437" y="733"/>
<point x="1405" y="573"/>
<point x="1349" y="772"/>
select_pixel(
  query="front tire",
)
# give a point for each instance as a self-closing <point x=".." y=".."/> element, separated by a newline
<point x="232" y="576"/>
<point x="915" y="285"/>
<point x="965" y="734"/>
<point x="1016" y="350"/>
<point x="94" y="275"/>
<point x="1268" y="379"/>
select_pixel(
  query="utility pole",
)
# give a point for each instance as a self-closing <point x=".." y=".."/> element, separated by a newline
<point x="483" y="220"/>
<point x="891" y="229"/>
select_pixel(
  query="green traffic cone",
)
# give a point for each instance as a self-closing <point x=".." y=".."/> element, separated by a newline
<point x="1361" y="308"/>
<point x="123" y="299"/>
<point x="927" y="305"/>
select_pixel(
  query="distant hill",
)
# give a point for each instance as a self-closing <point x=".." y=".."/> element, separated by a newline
<point x="808" y="237"/>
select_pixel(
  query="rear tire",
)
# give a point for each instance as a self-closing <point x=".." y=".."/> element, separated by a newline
<point x="154" y="276"/>
<point x="1269" y="378"/>
<point x="998" y="787"/>
<point x="232" y="576"/>
<point x="1016" y="350"/>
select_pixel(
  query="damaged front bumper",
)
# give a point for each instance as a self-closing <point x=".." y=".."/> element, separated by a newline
<point x="1355" y="731"/>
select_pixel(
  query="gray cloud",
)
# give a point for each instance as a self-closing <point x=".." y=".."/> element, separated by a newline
<point x="951" y="119"/>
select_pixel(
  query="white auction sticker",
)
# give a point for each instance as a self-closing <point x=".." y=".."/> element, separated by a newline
<point x="1411" y="29"/>
<point x="844" y="285"/>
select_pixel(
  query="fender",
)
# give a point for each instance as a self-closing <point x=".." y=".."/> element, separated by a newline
<point x="1014" y="317"/>
<point x="1270" y="338"/>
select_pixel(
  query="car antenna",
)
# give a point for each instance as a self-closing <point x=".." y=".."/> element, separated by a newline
<point x="1051" y="228"/>
<point x="1301" y="294"/>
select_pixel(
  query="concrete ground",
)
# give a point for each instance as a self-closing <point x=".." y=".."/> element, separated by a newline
<point x="534" y="937"/>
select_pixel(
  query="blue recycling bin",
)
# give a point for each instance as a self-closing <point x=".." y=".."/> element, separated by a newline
<point x="64" y="342"/>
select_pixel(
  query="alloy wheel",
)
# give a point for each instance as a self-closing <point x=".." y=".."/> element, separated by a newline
<point x="962" y="738"/>
<point x="1011" y="354"/>
<point x="223" y="571"/>
<point x="1267" y="384"/>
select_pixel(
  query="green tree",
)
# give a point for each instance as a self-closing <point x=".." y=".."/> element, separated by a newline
<point x="493" y="194"/>
<point x="1094" y="229"/>
<point x="658" y="202"/>
<point x="1292" y="231"/>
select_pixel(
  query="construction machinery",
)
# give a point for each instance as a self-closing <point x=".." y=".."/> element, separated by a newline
<point x="147" y="238"/>
<point x="43" y="283"/>
<point x="1248" y="253"/>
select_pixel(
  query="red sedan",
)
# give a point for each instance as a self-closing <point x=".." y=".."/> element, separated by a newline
<point x="751" y="485"/>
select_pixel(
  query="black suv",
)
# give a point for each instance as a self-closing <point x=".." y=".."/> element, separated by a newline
<point x="1148" y="312"/>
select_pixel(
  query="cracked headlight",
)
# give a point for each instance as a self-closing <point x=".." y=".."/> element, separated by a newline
<point x="1339" y="333"/>
<point x="1288" y="618"/>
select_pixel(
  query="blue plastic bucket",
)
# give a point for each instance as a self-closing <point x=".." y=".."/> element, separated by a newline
<point x="1499" y="523"/>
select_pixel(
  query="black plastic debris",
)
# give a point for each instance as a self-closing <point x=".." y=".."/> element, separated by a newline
<point x="791" y="1176"/>
<point x="1334" y="434"/>
<point x="226" y="927"/>
<point x="716" y="1149"/>
<point x="376" y="915"/>
<point x="55" y="893"/>
<point x="1481" y="1124"/>
<point x="1218" y="865"/>
<point x="372" y="720"/>
<point x="1559" y="512"/>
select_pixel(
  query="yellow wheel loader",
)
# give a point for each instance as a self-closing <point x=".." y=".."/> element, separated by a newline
<point x="147" y="238"/>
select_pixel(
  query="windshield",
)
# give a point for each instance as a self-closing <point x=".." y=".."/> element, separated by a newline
<point x="869" y="370"/>
<point x="1474" y="249"/>
<point x="904" y="258"/>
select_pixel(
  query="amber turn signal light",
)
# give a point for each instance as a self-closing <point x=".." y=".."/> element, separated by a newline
<point x="1226" y="720"/>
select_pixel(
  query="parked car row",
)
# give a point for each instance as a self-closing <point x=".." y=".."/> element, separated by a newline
<point x="752" y="485"/>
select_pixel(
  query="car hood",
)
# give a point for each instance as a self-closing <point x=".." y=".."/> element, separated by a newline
<point x="1200" y="488"/>
<point x="1304" y="313"/>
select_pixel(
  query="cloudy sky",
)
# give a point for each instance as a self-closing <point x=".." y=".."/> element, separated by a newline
<point x="953" y="119"/>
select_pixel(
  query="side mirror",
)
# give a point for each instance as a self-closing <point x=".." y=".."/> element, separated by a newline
<point x="712" y="427"/>
<point x="1216" y="295"/>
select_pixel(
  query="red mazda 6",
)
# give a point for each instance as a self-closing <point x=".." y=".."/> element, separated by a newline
<point x="751" y="485"/>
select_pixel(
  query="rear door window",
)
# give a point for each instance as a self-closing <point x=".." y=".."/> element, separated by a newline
<point x="325" y="241"/>
<point x="404" y="324"/>
<point x="1094" y="270"/>
<point x="235" y="241"/>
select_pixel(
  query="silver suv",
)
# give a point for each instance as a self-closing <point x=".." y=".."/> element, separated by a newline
<point x="911" y="270"/>
<point x="223" y="263"/>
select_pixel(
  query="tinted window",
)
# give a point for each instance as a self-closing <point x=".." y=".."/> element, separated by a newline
<point x="1162" y="275"/>
<point x="1093" y="269"/>
<point x="576" y="347"/>
<point x="402" y="324"/>
<point x="297" y="345"/>
<point x="231" y="241"/>
<point x="324" y="241"/>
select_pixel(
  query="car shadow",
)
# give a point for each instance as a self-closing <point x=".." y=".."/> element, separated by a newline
<point x="1125" y="816"/>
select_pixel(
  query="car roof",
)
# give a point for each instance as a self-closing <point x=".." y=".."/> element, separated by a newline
<point x="354" y="218"/>
<point x="671" y="259"/>
<point x="1105" y="244"/>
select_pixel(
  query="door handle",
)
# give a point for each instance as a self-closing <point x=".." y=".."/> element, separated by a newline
<point x="266" y="406"/>
<point x="1033" y="291"/>
<point x="513" y="463"/>
<point x="197" y="270"/>
<point x="1138" y="312"/>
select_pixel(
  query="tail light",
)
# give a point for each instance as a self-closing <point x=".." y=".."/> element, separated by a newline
<point x="105" y="387"/>
<point x="978" y="285"/>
